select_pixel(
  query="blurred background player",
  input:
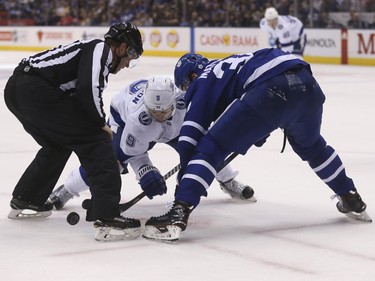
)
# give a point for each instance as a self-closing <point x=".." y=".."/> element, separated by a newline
<point x="145" y="113"/>
<point x="285" y="32"/>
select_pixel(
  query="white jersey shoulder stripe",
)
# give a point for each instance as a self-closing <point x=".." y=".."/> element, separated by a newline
<point x="43" y="60"/>
<point x="267" y="66"/>
<point x="56" y="61"/>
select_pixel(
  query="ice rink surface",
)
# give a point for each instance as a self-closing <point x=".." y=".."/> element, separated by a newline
<point x="292" y="233"/>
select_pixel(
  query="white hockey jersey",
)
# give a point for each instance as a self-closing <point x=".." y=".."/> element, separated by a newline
<point x="139" y="127"/>
<point x="129" y="115"/>
<point x="289" y="32"/>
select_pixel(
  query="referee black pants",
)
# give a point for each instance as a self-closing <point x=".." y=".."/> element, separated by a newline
<point x="60" y="125"/>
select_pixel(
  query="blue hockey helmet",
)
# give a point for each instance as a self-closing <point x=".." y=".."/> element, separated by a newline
<point x="186" y="65"/>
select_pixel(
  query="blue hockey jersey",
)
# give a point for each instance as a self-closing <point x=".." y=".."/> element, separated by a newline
<point x="223" y="81"/>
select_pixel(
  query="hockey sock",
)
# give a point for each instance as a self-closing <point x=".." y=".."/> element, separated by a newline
<point x="226" y="174"/>
<point x="75" y="182"/>
<point x="197" y="178"/>
<point x="330" y="169"/>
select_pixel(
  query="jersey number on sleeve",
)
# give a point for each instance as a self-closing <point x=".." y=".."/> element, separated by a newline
<point x="233" y="62"/>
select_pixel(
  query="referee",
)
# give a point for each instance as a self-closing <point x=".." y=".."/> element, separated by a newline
<point x="57" y="96"/>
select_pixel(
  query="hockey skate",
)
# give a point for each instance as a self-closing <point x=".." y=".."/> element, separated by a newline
<point x="60" y="196"/>
<point x="238" y="190"/>
<point x="167" y="227"/>
<point x="25" y="210"/>
<point x="118" y="228"/>
<point x="352" y="206"/>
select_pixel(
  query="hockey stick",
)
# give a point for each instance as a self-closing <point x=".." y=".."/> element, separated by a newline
<point x="228" y="160"/>
<point x="124" y="206"/>
<point x="127" y="205"/>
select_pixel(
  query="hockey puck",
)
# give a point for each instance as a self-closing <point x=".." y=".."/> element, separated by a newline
<point x="72" y="218"/>
<point x="86" y="204"/>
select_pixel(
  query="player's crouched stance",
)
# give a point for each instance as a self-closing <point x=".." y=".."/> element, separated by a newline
<point x="279" y="91"/>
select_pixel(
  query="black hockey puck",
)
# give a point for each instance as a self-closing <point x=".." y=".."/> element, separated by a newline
<point x="72" y="218"/>
<point x="86" y="204"/>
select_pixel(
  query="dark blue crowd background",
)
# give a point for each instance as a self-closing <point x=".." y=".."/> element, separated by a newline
<point x="197" y="13"/>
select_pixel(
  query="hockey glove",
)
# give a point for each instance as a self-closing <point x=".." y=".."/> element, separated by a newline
<point x="151" y="181"/>
<point x="297" y="48"/>
<point x="272" y="42"/>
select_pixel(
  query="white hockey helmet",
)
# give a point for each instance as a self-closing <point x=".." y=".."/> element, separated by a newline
<point x="271" y="13"/>
<point x="160" y="94"/>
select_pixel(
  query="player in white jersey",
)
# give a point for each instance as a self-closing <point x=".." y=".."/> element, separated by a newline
<point x="285" y="32"/>
<point x="145" y="113"/>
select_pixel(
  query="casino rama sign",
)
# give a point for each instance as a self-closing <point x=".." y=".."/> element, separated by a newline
<point x="228" y="39"/>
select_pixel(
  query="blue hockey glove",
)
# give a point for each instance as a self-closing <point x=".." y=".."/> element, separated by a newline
<point x="151" y="181"/>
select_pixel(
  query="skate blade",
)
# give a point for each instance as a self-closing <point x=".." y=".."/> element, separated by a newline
<point x="170" y="236"/>
<point x="364" y="216"/>
<point x="109" y="234"/>
<point x="27" y="214"/>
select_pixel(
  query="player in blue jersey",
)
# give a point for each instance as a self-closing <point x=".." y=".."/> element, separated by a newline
<point x="248" y="96"/>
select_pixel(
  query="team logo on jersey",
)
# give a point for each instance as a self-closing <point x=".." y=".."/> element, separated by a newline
<point x="144" y="118"/>
<point x="180" y="103"/>
<point x="130" y="140"/>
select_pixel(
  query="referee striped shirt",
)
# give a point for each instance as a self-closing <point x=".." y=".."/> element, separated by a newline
<point x="79" y="69"/>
